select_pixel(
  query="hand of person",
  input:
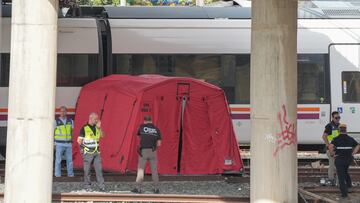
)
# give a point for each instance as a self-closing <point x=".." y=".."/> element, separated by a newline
<point x="80" y="141"/>
<point x="98" y="124"/>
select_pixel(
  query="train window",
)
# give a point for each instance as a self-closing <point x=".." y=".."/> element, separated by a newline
<point x="242" y="83"/>
<point x="230" y="72"/>
<point x="351" y="87"/>
<point x="4" y="70"/>
<point x="135" y="64"/>
<point x="216" y="69"/>
<point x="205" y="67"/>
<point x="311" y="79"/>
<point x="77" y="69"/>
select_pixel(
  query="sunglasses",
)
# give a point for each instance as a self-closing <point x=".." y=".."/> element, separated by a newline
<point x="338" y="117"/>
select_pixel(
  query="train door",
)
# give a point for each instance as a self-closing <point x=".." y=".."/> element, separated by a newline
<point x="345" y="83"/>
<point x="105" y="50"/>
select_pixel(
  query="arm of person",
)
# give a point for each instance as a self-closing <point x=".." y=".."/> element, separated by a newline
<point x="98" y="126"/>
<point x="355" y="146"/>
<point x="327" y="131"/>
<point x="332" y="149"/>
<point x="102" y="134"/>
<point x="324" y="137"/>
<point x="158" y="143"/>
<point x="356" y="149"/>
<point x="80" y="139"/>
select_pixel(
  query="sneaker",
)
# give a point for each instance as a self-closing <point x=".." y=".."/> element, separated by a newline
<point x="156" y="191"/>
<point x="330" y="183"/>
<point x="135" y="190"/>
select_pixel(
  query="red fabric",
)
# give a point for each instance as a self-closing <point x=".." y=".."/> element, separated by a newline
<point x="122" y="101"/>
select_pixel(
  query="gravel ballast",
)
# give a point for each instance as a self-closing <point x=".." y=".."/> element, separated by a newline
<point x="220" y="188"/>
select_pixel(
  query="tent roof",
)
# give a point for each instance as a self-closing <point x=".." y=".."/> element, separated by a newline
<point x="132" y="85"/>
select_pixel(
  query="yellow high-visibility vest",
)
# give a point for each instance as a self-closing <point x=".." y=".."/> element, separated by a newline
<point x="91" y="140"/>
<point x="63" y="131"/>
<point x="334" y="133"/>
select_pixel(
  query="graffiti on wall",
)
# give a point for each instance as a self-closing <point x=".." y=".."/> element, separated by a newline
<point x="287" y="135"/>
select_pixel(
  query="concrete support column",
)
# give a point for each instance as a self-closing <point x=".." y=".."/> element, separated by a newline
<point x="200" y="3"/>
<point x="29" y="163"/>
<point x="122" y="2"/>
<point x="273" y="101"/>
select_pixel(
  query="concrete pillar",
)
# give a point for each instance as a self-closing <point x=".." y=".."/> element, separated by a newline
<point x="273" y="101"/>
<point x="200" y="3"/>
<point x="29" y="163"/>
<point x="122" y="2"/>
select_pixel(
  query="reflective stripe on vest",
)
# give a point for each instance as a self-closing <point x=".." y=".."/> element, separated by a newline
<point x="63" y="132"/>
<point x="91" y="141"/>
<point x="344" y="148"/>
<point x="334" y="133"/>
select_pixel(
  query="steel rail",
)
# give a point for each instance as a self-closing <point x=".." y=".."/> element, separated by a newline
<point x="316" y="196"/>
<point x="333" y="189"/>
<point x="109" y="197"/>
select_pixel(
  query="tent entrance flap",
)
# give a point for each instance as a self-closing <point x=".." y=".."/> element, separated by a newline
<point x="183" y="105"/>
<point x="182" y="92"/>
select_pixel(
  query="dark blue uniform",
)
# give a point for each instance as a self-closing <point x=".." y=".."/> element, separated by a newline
<point x="344" y="146"/>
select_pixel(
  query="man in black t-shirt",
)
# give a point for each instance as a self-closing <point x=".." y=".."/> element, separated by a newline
<point x="343" y="147"/>
<point x="150" y="139"/>
<point x="331" y="131"/>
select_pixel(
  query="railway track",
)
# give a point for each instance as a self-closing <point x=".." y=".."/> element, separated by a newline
<point x="107" y="197"/>
<point x="327" y="195"/>
<point x="304" y="175"/>
<point x="306" y="195"/>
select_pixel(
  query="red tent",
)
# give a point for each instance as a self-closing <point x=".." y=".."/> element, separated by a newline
<point x="192" y="115"/>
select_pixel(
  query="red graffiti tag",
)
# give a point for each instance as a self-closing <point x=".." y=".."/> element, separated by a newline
<point x="287" y="136"/>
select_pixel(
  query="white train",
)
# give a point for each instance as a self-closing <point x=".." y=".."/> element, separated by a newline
<point x="212" y="44"/>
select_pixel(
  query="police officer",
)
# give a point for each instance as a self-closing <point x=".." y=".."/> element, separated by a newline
<point x="331" y="131"/>
<point x="150" y="139"/>
<point x="63" y="142"/>
<point x="89" y="139"/>
<point x="343" y="148"/>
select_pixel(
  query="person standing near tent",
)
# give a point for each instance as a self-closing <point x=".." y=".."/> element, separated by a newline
<point x="63" y="142"/>
<point x="331" y="131"/>
<point x="150" y="139"/>
<point x="343" y="148"/>
<point x="89" y="139"/>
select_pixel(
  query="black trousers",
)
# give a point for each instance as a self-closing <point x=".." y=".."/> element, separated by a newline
<point x="342" y="167"/>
